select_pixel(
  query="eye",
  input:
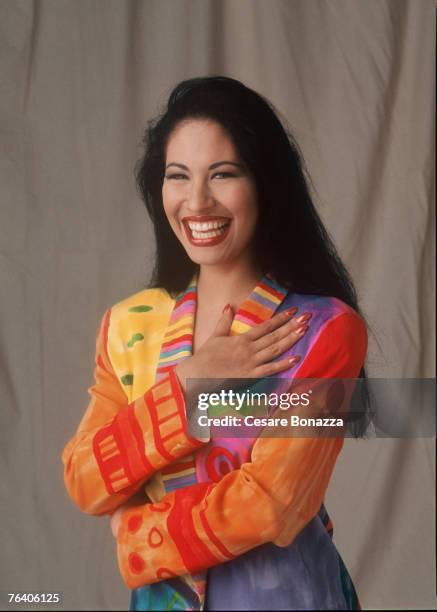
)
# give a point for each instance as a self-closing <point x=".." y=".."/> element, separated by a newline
<point x="176" y="176"/>
<point x="222" y="175"/>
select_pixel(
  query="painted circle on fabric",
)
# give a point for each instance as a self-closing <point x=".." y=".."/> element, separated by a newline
<point x="219" y="462"/>
<point x="160" y="506"/>
<point x="220" y="456"/>
<point x="134" y="523"/>
<point x="136" y="563"/>
<point x="155" y="538"/>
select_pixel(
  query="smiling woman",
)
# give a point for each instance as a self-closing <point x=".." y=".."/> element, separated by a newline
<point x="247" y="284"/>
<point x="214" y="200"/>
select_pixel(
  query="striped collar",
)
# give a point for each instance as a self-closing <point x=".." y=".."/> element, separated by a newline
<point x="177" y="344"/>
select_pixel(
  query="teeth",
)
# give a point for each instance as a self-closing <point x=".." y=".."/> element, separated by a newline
<point x="210" y="234"/>
<point x="206" y="226"/>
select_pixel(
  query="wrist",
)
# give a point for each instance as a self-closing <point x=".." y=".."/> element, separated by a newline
<point x="188" y="369"/>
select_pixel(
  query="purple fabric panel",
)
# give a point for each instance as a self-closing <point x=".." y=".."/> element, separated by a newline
<point x="323" y="310"/>
<point x="306" y="575"/>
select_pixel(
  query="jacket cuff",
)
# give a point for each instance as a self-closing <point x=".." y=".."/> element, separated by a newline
<point x="167" y="407"/>
<point x="145" y="437"/>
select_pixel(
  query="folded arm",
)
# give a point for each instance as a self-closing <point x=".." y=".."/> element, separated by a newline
<point x="269" y="499"/>
<point x="118" y="446"/>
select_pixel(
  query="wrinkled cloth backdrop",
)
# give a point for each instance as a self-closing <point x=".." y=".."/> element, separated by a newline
<point x="355" y="80"/>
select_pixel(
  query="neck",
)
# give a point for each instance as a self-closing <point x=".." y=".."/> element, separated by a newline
<point x="218" y="286"/>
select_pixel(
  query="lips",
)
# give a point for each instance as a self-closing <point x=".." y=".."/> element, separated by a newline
<point x="206" y="231"/>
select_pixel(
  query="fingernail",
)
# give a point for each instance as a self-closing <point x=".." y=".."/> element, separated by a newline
<point x="291" y="312"/>
<point x="294" y="359"/>
<point x="226" y="308"/>
<point x="304" y="317"/>
<point x="301" y="330"/>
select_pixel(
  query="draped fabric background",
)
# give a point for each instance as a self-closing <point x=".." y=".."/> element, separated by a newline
<point x="79" y="79"/>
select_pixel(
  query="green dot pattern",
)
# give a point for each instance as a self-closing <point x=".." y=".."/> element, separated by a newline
<point x="140" y="308"/>
<point x="127" y="379"/>
<point x="135" y="338"/>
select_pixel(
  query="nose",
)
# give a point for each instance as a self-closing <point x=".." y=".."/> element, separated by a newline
<point x="199" y="199"/>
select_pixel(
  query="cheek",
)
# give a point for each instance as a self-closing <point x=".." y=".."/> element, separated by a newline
<point x="170" y="208"/>
<point x="246" y="208"/>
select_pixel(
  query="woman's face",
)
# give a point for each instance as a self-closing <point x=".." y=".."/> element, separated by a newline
<point x="208" y="194"/>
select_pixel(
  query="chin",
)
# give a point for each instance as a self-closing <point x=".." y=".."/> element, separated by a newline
<point x="206" y="259"/>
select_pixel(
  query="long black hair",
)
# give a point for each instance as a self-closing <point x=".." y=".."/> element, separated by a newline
<point x="290" y="239"/>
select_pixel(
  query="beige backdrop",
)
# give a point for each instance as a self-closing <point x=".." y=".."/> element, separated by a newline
<point x="79" y="78"/>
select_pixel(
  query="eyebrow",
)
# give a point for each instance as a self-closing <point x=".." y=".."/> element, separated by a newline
<point x="211" y="167"/>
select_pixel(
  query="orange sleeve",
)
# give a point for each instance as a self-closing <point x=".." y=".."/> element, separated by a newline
<point x="117" y="445"/>
<point x="270" y="498"/>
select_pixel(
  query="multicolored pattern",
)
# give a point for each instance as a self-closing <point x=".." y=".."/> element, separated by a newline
<point x="211" y="508"/>
<point x="260" y="305"/>
<point x="119" y="443"/>
<point x="178" y="339"/>
<point x="177" y="345"/>
<point x="224" y="455"/>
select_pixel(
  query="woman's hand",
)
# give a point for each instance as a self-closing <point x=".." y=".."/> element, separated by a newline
<point x="247" y="355"/>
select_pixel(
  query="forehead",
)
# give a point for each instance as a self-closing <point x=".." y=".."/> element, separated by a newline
<point x="199" y="139"/>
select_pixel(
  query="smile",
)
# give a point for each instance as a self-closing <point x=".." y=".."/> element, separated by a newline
<point x="206" y="231"/>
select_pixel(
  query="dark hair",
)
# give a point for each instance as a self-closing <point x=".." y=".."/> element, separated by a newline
<point x="291" y="241"/>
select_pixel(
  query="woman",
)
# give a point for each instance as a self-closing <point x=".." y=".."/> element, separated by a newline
<point x="247" y="284"/>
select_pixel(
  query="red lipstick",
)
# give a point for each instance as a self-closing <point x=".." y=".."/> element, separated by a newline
<point x="206" y="230"/>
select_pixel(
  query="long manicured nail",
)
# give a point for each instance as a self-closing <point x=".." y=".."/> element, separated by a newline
<point x="301" y="330"/>
<point x="294" y="359"/>
<point x="226" y="308"/>
<point x="304" y="317"/>
<point x="291" y="311"/>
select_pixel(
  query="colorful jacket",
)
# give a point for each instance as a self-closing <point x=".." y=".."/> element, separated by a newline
<point x="209" y="507"/>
